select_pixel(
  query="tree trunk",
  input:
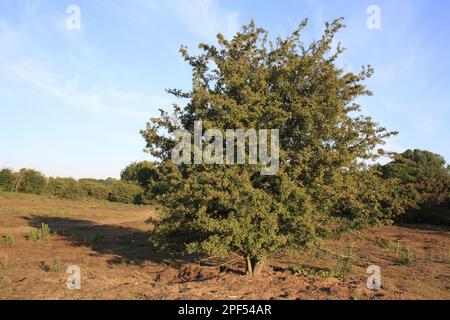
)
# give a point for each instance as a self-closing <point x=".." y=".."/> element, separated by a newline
<point x="254" y="265"/>
<point x="249" y="268"/>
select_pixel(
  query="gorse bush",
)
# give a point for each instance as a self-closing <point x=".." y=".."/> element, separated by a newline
<point x="323" y="185"/>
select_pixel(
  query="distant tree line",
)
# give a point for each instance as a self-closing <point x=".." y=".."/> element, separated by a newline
<point x="34" y="182"/>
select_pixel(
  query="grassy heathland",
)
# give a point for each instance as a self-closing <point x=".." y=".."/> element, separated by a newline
<point x="42" y="236"/>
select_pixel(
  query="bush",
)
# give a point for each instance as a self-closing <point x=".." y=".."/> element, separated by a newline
<point x="31" y="181"/>
<point x="95" y="189"/>
<point x="430" y="203"/>
<point x="416" y="165"/>
<point x="421" y="183"/>
<point x="65" y="188"/>
<point x="144" y="174"/>
<point x="7" y="178"/>
<point x="126" y="192"/>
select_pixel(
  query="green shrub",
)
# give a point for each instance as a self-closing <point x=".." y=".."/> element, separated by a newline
<point x="7" y="178"/>
<point x="431" y="205"/>
<point x="422" y="186"/>
<point x="65" y="188"/>
<point x="144" y="174"/>
<point x="30" y="181"/>
<point x="95" y="189"/>
<point x="125" y="192"/>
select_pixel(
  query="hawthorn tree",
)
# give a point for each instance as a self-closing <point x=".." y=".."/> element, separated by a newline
<point x="323" y="184"/>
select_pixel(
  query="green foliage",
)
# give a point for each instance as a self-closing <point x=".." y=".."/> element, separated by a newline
<point x="7" y="179"/>
<point x="430" y="203"/>
<point x="30" y="181"/>
<point x="9" y="240"/>
<point x="42" y="233"/>
<point x="65" y="188"/>
<point x="144" y="174"/>
<point x="421" y="184"/>
<point x="96" y="189"/>
<point x="125" y="192"/>
<point x="323" y="185"/>
<point x="416" y="165"/>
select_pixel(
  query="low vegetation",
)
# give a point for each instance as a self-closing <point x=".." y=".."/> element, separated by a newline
<point x="41" y="233"/>
<point x="9" y="240"/>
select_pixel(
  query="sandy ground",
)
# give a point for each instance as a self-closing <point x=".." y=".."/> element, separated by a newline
<point x="109" y="244"/>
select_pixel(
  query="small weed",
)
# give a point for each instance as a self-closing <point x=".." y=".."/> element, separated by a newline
<point x="9" y="240"/>
<point x="345" y="262"/>
<point x="447" y="257"/>
<point x="430" y="255"/>
<point x="397" y="248"/>
<point x="5" y="263"/>
<point x="40" y="234"/>
<point x="408" y="256"/>
<point x="53" y="266"/>
<point x="382" y="243"/>
<point x="159" y="283"/>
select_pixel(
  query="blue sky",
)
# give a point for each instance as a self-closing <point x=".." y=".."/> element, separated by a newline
<point x="72" y="102"/>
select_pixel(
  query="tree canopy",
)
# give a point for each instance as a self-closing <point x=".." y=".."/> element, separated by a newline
<point x="417" y="165"/>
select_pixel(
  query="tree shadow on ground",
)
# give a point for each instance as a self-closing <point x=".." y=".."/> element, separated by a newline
<point x="128" y="245"/>
<point x="426" y="228"/>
